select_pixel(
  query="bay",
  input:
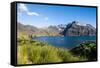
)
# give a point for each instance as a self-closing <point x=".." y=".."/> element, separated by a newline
<point x="65" y="41"/>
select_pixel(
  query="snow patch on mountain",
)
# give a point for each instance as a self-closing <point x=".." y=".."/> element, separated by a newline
<point x="80" y="24"/>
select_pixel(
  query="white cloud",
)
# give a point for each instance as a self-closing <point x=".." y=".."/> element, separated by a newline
<point x="46" y="18"/>
<point x="23" y="8"/>
<point x="32" y="13"/>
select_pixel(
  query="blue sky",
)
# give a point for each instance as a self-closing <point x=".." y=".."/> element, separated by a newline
<point x="46" y="15"/>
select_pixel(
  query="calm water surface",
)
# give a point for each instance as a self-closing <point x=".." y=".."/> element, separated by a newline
<point x="65" y="42"/>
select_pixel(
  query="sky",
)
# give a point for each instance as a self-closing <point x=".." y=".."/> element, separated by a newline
<point x="46" y="15"/>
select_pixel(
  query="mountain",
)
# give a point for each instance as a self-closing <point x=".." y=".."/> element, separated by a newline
<point x="72" y="29"/>
<point x="32" y="30"/>
<point x="77" y="29"/>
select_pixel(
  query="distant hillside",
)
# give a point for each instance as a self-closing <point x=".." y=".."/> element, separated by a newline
<point x="72" y="29"/>
<point x="26" y="28"/>
<point x="32" y="30"/>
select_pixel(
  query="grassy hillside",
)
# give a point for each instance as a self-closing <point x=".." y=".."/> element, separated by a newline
<point x="35" y="52"/>
<point x="38" y="52"/>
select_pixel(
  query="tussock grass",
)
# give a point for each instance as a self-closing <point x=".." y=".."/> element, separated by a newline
<point x="39" y="52"/>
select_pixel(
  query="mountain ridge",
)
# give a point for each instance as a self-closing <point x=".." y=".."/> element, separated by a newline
<point x="71" y="29"/>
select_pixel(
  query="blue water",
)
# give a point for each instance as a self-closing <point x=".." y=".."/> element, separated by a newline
<point x="65" y="42"/>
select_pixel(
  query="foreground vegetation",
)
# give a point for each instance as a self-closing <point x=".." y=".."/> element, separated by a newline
<point x="38" y="52"/>
<point x="35" y="52"/>
<point x="86" y="49"/>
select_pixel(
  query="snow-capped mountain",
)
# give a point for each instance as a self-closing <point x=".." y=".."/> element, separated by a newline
<point x="77" y="29"/>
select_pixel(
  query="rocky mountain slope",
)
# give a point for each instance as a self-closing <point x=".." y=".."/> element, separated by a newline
<point x="78" y="29"/>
